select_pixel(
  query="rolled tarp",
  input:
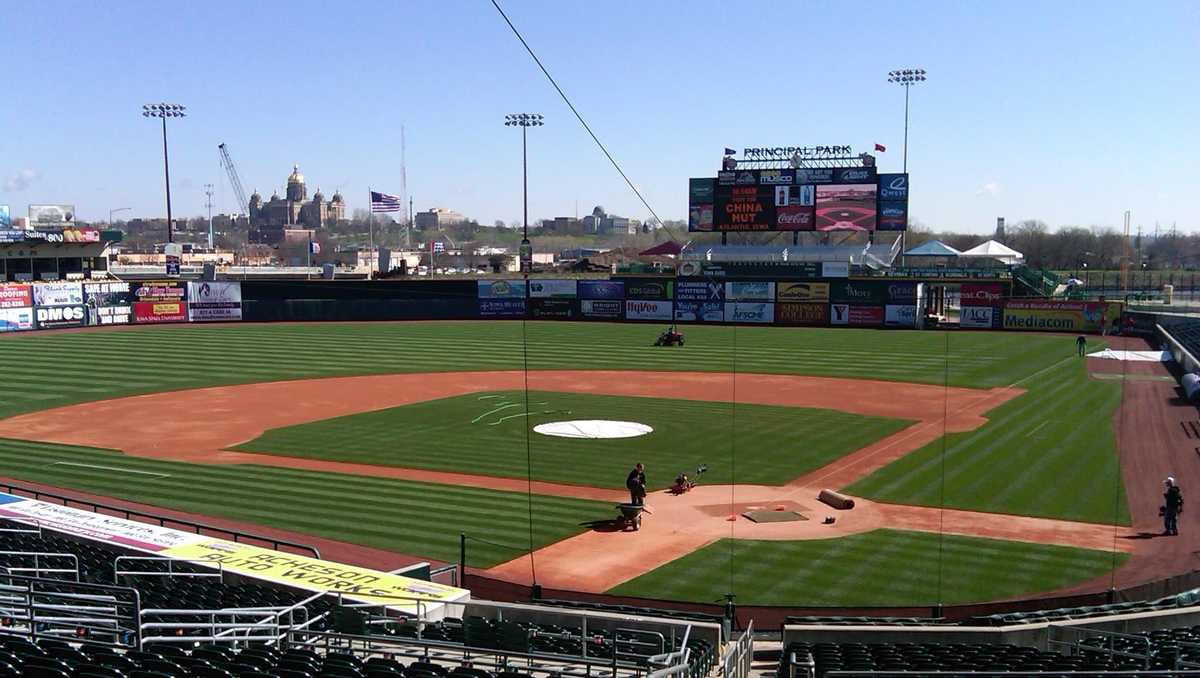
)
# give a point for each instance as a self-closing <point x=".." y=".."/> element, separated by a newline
<point x="836" y="499"/>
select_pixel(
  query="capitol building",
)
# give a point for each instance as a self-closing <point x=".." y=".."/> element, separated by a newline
<point x="268" y="220"/>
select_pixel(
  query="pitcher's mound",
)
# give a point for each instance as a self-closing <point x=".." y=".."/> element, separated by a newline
<point x="593" y="428"/>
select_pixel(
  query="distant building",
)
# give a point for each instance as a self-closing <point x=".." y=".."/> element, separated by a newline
<point x="437" y="217"/>
<point x="563" y="226"/>
<point x="269" y="219"/>
<point x="600" y="223"/>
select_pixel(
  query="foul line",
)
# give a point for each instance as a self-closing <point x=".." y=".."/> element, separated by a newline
<point x="111" y="468"/>
<point x="1037" y="428"/>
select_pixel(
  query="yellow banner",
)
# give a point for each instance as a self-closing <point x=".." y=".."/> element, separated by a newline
<point x="356" y="583"/>
<point x="1044" y="319"/>
<point x="801" y="291"/>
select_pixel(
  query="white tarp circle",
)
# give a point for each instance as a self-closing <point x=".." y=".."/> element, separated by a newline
<point x="1133" y="356"/>
<point x="593" y="428"/>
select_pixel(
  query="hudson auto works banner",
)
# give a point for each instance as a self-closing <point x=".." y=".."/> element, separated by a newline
<point x="108" y="303"/>
<point x="302" y="572"/>
<point x="1060" y="316"/>
<point x="214" y="301"/>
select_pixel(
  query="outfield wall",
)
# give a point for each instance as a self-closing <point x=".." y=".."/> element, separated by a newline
<point x="829" y="302"/>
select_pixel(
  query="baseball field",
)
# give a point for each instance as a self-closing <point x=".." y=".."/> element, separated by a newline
<point x="989" y="457"/>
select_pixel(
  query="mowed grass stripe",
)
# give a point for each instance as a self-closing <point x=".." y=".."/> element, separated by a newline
<point x="485" y="433"/>
<point x="168" y="358"/>
<point x="878" y="568"/>
<point x="408" y="517"/>
<point x="1050" y="453"/>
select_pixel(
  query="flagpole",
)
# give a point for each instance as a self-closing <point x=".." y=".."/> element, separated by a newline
<point x="371" y="230"/>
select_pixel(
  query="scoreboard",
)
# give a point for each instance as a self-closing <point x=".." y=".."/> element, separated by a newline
<point x="804" y="199"/>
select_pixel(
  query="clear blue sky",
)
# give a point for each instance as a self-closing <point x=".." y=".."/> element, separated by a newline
<point x="1071" y="112"/>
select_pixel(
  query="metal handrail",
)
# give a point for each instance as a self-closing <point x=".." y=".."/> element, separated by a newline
<point x="196" y="527"/>
<point x="171" y="562"/>
<point x="37" y="569"/>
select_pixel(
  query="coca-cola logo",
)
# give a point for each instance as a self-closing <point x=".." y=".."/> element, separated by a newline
<point x="794" y="216"/>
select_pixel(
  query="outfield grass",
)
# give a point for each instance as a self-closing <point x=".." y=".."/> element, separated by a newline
<point x="50" y="369"/>
<point x="485" y="433"/>
<point x="881" y="568"/>
<point x="1051" y="453"/>
<point x="420" y="519"/>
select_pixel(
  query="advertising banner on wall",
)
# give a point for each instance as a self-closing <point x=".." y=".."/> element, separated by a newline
<point x="643" y="309"/>
<point x="863" y="316"/>
<point x="699" y="311"/>
<point x="981" y="294"/>
<point x="700" y="291"/>
<point x="1059" y="316"/>
<point x="15" y="295"/>
<point x="553" y="309"/>
<point x="858" y="292"/>
<point x="801" y="314"/>
<point x="84" y="235"/>
<point x="979" y="317"/>
<point x="802" y="291"/>
<point x="501" y="289"/>
<point x="904" y="293"/>
<point x="214" y="301"/>
<point x="900" y="316"/>
<point x="835" y="269"/>
<point x="502" y="308"/>
<point x="16" y="319"/>
<point x="750" y="291"/>
<point x="57" y="293"/>
<point x="610" y="309"/>
<point x="552" y="289"/>
<point x="753" y="270"/>
<point x="108" y="303"/>
<point x="602" y="289"/>
<point x="51" y="317"/>
<point x="650" y="289"/>
<point x="160" y="311"/>
<point x="5" y="217"/>
<point x="160" y="290"/>
<point x="51" y="215"/>
<point x="750" y="312"/>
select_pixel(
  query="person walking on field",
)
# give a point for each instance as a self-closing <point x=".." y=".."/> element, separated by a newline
<point x="636" y="483"/>
<point x="1172" y="507"/>
<point x="1081" y="345"/>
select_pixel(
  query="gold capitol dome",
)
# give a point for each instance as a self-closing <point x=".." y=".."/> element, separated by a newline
<point x="295" y="177"/>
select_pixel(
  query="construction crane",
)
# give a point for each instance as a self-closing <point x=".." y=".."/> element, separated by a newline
<point x="234" y="180"/>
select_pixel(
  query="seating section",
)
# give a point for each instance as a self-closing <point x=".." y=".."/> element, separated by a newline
<point x="632" y="609"/>
<point x="1185" y="330"/>
<point x="949" y="657"/>
<point x="1165" y="647"/>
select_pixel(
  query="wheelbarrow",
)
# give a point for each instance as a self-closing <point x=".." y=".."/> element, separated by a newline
<point x="631" y="516"/>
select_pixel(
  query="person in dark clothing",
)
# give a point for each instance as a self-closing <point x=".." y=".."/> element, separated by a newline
<point x="636" y="483"/>
<point x="1081" y="344"/>
<point x="1172" y="507"/>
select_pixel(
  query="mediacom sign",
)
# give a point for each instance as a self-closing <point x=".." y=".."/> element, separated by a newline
<point x="159" y="311"/>
<point x="801" y="291"/>
<point x="648" y="310"/>
<point x="802" y="314"/>
<point x="1059" y="316"/>
<point x="746" y="312"/>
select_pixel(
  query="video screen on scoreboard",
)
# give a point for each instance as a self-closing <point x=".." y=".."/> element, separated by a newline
<point x="811" y="199"/>
<point x="848" y="207"/>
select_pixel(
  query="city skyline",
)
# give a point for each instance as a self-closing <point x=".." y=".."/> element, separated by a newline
<point x="1069" y="119"/>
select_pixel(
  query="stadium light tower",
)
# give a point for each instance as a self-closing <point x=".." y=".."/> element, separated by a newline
<point x="524" y="121"/>
<point x="906" y="77"/>
<point x="165" y="111"/>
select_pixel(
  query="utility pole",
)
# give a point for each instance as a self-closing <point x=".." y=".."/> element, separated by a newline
<point x="208" y="191"/>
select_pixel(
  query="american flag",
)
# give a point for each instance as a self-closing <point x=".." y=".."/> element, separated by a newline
<point x="382" y="202"/>
<point x="437" y="246"/>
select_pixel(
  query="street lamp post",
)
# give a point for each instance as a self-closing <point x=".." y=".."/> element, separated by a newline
<point x="164" y="111"/>
<point x="114" y="211"/>
<point x="906" y="77"/>
<point x="524" y="121"/>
